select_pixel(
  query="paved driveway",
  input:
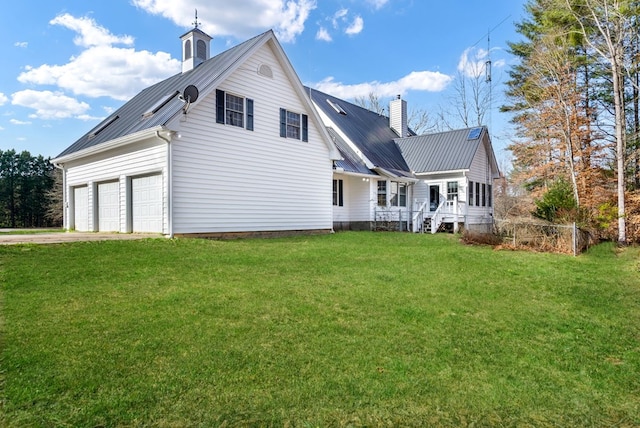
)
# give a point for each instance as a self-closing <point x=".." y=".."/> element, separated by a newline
<point x="60" y="237"/>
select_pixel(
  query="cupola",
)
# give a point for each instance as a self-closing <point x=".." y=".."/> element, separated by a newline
<point x="195" y="47"/>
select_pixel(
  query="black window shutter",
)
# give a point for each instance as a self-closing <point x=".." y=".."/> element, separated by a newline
<point x="340" y="198"/>
<point x="305" y="128"/>
<point x="249" y="114"/>
<point x="219" y="106"/>
<point x="283" y="123"/>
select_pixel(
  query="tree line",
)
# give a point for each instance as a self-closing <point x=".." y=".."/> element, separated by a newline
<point x="30" y="191"/>
<point x="575" y="98"/>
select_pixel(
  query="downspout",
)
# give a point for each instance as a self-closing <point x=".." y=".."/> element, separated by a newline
<point x="65" y="203"/>
<point x="169" y="180"/>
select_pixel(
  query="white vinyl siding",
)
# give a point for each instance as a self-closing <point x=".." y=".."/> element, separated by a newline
<point x="143" y="158"/>
<point x="480" y="175"/>
<point x="357" y="202"/>
<point x="227" y="179"/>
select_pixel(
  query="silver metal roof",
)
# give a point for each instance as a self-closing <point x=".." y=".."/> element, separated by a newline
<point x="131" y="116"/>
<point x="443" y="151"/>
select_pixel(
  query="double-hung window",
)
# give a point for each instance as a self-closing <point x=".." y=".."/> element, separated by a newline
<point x="234" y="110"/>
<point x="294" y="125"/>
<point x="452" y="190"/>
<point x="398" y="194"/>
<point x="484" y="195"/>
<point x="382" y="193"/>
<point x="338" y="186"/>
<point x="470" y="193"/>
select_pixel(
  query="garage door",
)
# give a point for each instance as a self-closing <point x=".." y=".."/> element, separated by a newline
<point x="81" y="208"/>
<point x="109" y="207"/>
<point x="146" y="202"/>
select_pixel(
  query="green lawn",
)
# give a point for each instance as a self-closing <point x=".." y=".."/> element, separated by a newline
<point x="351" y="329"/>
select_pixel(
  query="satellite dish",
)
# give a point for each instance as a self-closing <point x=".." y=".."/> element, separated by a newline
<point x="190" y="94"/>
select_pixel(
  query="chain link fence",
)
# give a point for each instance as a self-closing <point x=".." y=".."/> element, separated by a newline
<point x="560" y="238"/>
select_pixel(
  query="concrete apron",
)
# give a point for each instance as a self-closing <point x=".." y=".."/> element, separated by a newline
<point x="61" y="237"/>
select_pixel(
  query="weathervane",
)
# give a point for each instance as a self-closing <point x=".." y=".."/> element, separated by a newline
<point x="196" y="23"/>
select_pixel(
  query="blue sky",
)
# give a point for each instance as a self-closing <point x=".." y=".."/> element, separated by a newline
<point x="67" y="64"/>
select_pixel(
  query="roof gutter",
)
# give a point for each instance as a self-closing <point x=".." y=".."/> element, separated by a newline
<point x="452" y="171"/>
<point x="388" y="173"/>
<point x="109" y="145"/>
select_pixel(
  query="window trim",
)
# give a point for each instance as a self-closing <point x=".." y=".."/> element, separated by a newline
<point x="382" y="192"/>
<point x="221" y="110"/>
<point x="338" y="192"/>
<point x="484" y="195"/>
<point x="284" y="124"/>
<point x="451" y="196"/>
<point x="398" y="194"/>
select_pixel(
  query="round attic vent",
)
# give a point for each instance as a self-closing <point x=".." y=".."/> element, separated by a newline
<point x="265" y="70"/>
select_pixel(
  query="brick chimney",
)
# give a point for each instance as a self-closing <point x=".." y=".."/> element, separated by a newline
<point x="398" y="116"/>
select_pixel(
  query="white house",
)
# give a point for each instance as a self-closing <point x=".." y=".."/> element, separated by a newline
<point x="391" y="177"/>
<point x="235" y="144"/>
<point x="232" y="144"/>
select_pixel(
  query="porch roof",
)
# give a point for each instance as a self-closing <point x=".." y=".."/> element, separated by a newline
<point x="443" y="151"/>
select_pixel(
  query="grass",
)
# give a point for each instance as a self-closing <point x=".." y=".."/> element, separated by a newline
<point x="29" y="231"/>
<point x="352" y="329"/>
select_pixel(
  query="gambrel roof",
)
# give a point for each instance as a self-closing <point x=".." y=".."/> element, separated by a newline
<point x="446" y="151"/>
<point x="155" y="106"/>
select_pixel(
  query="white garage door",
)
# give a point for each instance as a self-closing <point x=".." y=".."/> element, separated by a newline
<point x="109" y="207"/>
<point x="81" y="208"/>
<point x="146" y="201"/>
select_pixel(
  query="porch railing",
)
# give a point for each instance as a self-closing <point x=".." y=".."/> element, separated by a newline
<point x="446" y="208"/>
<point x="418" y="218"/>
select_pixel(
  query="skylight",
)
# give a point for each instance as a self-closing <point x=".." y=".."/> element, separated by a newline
<point x="158" y="105"/>
<point x="474" y="133"/>
<point x="103" y="126"/>
<point x="336" y="107"/>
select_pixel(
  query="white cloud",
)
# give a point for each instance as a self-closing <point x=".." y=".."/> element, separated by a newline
<point x="377" y="4"/>
<point x="89" y="32"/>
<point x="102" y="69"/>
<point x="429" y="81"/>
<point x="1" y="128"/>
<point x="473" y="61"/>
<point x="240" y="19"/>
<point x="49" y="105"/>
<point x="21" y="44"/>
<point x="87" y="117"/>
<point x="3" y="98"/>
<point x="339" y="16"/>
<point x="323" y="35"/>
<point x="356" y="26"/>
<point x="18" y="122"/>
